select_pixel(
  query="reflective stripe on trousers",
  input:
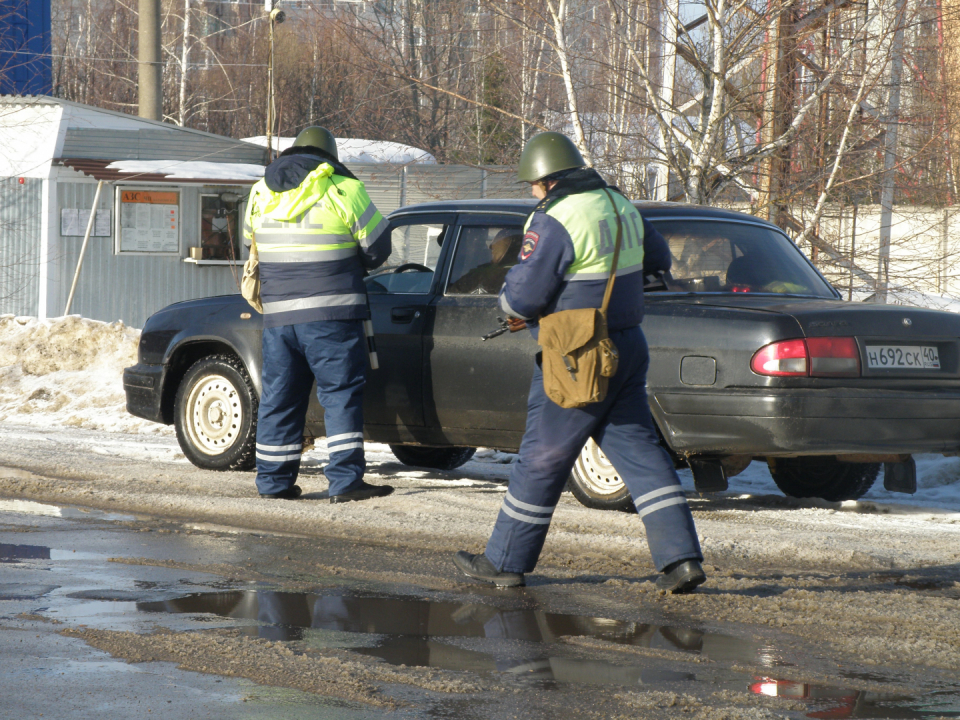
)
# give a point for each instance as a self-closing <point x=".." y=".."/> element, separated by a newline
<point x="334" y="353"/>
<point x="624" y="429"/>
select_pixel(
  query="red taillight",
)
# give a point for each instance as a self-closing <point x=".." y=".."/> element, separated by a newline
<point x="815" y="357"/>
<point x="786" y="358"/>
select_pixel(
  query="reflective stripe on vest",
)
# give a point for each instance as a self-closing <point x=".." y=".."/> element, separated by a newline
<point x="310" y="303"/>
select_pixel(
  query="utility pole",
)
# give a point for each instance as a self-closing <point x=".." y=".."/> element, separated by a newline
<point x="151" y="98"/>
<point x="888" y="178"/>
<point x="275" y="16"/>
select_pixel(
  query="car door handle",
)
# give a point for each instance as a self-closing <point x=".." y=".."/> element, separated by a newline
<point x="404" y="315"/>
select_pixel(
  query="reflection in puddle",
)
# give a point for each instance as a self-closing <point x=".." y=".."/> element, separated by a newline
<point x="287" y="616"/>
<point x="16" y="553"/>
<point x="522" y="643"/>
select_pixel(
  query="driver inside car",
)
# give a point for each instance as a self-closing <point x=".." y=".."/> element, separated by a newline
<point x="487" y="279"/>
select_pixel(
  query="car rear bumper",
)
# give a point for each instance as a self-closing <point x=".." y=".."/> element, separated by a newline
<point x="143" y="385"/>
<point x="809" y="422"/>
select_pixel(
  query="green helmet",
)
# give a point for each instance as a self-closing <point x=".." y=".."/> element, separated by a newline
<point x="318" y="137"/>
<point x="547" y="153"/>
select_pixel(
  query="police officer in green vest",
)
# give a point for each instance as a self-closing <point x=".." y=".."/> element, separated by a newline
<point x="565" y="261"/>
<point x="316" y="231"/>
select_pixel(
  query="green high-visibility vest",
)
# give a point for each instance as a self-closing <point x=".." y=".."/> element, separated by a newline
<point x="588" y="218"/>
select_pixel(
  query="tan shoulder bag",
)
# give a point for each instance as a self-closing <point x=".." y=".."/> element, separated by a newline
<point x="578" y="357"/>
<point x="250" y="282"/>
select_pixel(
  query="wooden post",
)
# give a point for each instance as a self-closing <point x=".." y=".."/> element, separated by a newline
<point x="83" y="248"/>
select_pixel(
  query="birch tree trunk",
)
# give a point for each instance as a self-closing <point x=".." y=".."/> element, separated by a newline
<point x="184" y="63"/>
<point x="558" y="13"/>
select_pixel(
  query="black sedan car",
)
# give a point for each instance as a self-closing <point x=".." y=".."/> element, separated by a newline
<point x="754" y="356"/>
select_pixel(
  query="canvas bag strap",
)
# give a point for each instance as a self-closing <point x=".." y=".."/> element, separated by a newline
<point x="616" y="257"/>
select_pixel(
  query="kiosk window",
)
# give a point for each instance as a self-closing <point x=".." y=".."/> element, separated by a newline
<point x="219" y="220"/>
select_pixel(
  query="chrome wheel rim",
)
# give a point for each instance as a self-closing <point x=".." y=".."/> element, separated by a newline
<point x="215" y="414"/>
<point x="596" y="473"/>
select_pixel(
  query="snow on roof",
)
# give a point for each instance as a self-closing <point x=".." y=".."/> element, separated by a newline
<point x="362" y="151"/>
<point x="190" y="170"/>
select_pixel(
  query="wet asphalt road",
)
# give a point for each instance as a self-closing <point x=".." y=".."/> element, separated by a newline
<point x="55" y="573"/>
<point x="59" y="570"/>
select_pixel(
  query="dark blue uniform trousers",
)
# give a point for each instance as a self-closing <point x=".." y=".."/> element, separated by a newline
<point x="624" y="429"/>
<point x="334" y="353"/>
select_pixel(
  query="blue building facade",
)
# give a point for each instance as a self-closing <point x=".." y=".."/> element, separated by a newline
<point x="25" y="64"/>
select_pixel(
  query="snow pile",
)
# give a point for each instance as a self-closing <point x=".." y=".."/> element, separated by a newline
<point x="361" y="151"/>
<point x="67" y="371"/>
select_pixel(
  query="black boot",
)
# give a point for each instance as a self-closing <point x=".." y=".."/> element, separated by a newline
<point x="681" y="577"/>
<point x="480" y="568"/>
<point x="291" y="493"/>
<point x="364" y="492"/>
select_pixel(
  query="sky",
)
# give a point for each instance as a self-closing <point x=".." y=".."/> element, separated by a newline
<point x="65" y="373"/>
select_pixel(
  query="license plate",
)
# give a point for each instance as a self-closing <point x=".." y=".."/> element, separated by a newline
<point x="902" y="357"/>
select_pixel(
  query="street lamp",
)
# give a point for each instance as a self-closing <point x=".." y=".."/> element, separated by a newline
<point x="275" y="16"/>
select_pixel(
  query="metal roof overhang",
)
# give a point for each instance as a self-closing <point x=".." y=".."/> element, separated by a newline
<point x="98" y="170"/>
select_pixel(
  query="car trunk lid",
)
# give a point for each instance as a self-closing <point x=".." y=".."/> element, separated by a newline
<point x="894" y="341"/>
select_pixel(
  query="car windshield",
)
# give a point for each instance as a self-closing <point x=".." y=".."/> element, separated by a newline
<point x="721" y="256"/>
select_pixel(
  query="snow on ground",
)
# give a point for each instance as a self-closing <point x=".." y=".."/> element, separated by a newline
<point x="67" y="372"/>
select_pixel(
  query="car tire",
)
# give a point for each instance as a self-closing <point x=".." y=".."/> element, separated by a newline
<point x="436" y="458"/>
<point x="595" y="482"/>
<point x="215" y="414"/>
<point x="823" y="477"/>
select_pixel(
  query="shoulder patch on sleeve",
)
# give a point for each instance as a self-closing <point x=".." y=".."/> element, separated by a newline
<point x="530" y="241"/>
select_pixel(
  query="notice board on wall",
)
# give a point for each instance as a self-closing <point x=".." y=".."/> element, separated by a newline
<point x="149" y="220"/>
<point x="73" y="221"/>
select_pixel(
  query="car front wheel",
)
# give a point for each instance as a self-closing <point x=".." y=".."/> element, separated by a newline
<point x="437" y="458"/>
<point x="823" y="477"/>
<point x="215" y="414"/>
<point x="595" y="483"/>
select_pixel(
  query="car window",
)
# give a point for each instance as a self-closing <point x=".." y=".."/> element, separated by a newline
<point x="411" y="265"/>
<point x="718" y="256"/>
<point x="483" y="255"/>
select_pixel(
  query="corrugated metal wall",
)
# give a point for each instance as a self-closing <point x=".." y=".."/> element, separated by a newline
<point x="20" y="223"/>
<point x="132" y="287"/>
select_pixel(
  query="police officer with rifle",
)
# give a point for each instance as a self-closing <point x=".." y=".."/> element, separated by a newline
<point x="565" y="262"/>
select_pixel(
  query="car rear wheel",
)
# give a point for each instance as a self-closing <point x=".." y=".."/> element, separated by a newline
<point x="215" y="414"/>
<point x="595" y="483"/>
<point x="437" y="458"/>
<point x="823" y="477"/>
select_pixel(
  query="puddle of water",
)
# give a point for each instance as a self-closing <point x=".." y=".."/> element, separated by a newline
<point x="522" y="643"/>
